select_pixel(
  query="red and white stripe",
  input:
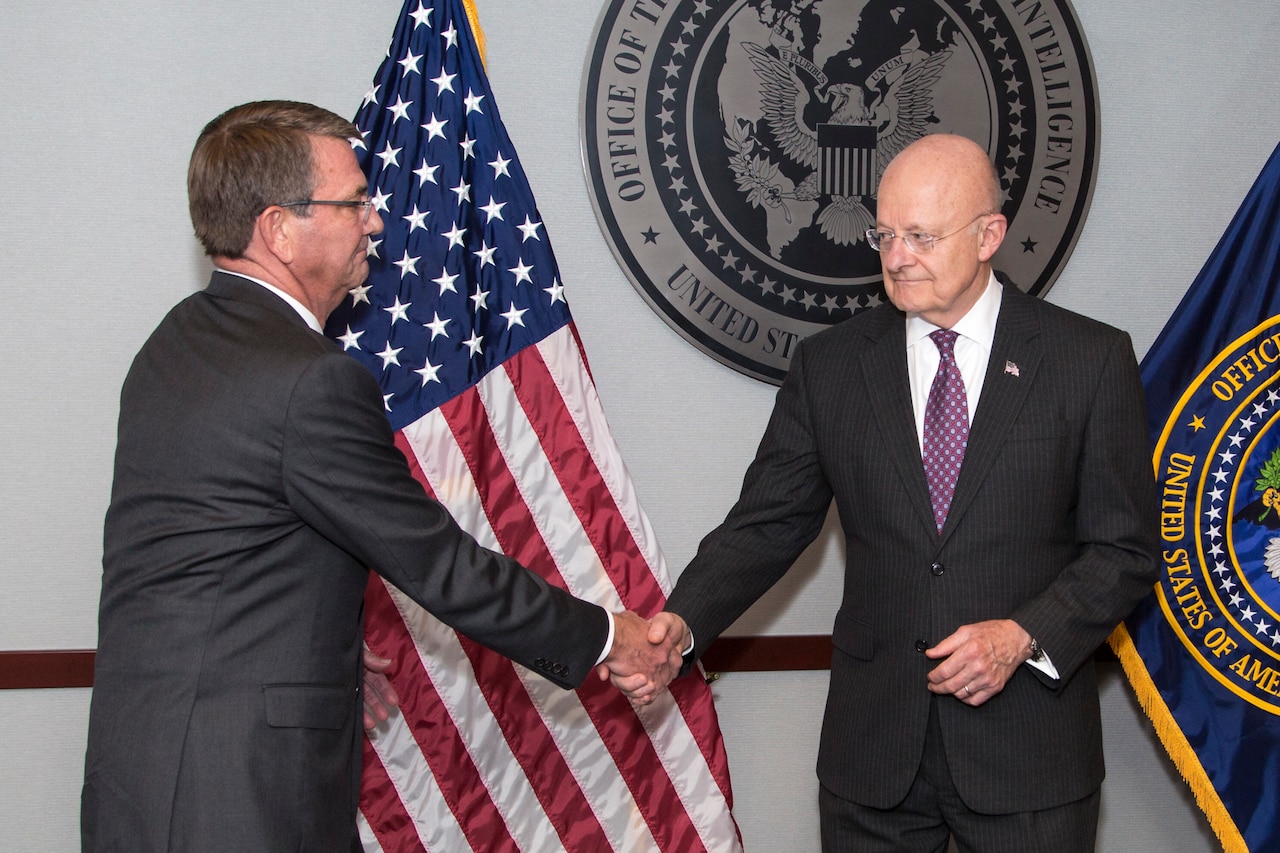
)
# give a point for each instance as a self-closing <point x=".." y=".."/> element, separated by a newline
<point x="485" y="755"/>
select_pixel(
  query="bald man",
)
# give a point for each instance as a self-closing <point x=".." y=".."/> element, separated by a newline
<point x="987" y="454"/>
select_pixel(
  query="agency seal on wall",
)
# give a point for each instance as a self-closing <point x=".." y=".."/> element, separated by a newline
<point x="733" y="148"/>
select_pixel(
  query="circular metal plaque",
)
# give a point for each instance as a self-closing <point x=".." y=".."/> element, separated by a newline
<point x="733" y="149"/>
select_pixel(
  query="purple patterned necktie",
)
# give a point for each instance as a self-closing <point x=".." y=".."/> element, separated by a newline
<point x="946" y="427"/>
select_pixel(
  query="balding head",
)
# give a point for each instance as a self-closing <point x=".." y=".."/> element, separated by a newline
<point x="942" y="187"/>
<point x="956" y="167"/>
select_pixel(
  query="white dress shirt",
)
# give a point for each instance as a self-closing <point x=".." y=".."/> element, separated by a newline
<point x="975" y="332"/>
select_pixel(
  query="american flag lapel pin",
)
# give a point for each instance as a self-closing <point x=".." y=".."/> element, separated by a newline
<point x="1011" y="368"/>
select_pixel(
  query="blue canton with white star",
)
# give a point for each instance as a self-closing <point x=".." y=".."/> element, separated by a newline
<point x="462" y="276"/>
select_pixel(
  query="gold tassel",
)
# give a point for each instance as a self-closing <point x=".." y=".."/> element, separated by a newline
<point x="473" y="17"/>
<point x="1175" y="742"/>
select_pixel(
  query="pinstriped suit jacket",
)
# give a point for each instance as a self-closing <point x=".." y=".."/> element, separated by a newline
<point x="255" y="483"/>
<point x="1053" y="524"/>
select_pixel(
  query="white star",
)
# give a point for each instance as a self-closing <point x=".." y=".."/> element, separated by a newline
<point x="408" y="264"/>
<point x="388" y="356"/>
<point x="494" y="209"/>
<point x="479" y="298"/>
<point x="446" y="282"/>
<point x="455" y="235"/>
<point x="428" y="372"/>
<point x="500" y="166"/>
<point x="485" y="254"/>
<point x="400" y="109"/>
<point x="360" y="294"/>
<point x="450" y="37"/>
<point x="417" y="219"/>
<point x="435" y="127"/>
<point x="522" y="271"/>
<point x="514" y="316"/>
<point x="468" y="147"/>
<point x="371" y="249"/>
<point x="398" y="311"/>
<point x="389" y="156"/>
<point x="409" y="64"/>
<point x="463" y="189"/>
<point x="425" y="173"/>
<point x="358" y="141"/>
<point x="380" y="200"/>
<point x="437" y="327"/>
<point x="529" y="229"/>
<point x="371" y="96"/>
<point x="474" y="343"/>
<point x="386" y="401"/>
<point x="555" y="291"/>
<point x="350" y="339"/>
<point x="472" y="100"/>
<point x="444" y="83"/>
<point x="421" y="17"/>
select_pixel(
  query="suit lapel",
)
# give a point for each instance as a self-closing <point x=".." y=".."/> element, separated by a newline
<point x="1016" y="354"/>
<point x="884" y="369"/>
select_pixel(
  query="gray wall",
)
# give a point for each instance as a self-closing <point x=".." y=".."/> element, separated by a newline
<point x="101" y="103"/>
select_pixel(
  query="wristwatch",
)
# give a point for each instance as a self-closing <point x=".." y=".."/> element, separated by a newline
<point x="1037" y="653"/>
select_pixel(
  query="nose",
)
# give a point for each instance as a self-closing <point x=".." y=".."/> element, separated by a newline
<point x="373" y="225"/>
<point x="896" y="255"/>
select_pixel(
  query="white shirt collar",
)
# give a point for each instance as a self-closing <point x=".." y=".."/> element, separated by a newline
<point x="303" y="312"/>
<point x="978" y="325"/>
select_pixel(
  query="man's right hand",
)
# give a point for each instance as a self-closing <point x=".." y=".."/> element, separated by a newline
<point x="645" y="655"/>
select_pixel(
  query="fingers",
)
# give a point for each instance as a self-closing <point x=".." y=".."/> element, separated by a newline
<point x="645" y="655"/>
<point x="379" y="698"/>
<point x="668" y="626"/>
<point x="977" y="660"/>
<point x="379" y="695"/>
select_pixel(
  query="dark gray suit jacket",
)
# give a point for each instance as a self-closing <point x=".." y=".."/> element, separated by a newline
<point x="1053" y="524"/>
<point x="256" y="482"/>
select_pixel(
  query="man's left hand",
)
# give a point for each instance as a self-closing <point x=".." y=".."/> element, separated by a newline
<point x="379" y="696"/>
<point x="978" y="660"/>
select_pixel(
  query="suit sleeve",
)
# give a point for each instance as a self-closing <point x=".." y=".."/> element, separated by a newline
<point x="780" y="511"/>
<point x="346" y="479"/>
<point x="1116" y="524"/>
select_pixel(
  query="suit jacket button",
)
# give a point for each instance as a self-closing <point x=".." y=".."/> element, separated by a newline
<point x="936" y="569"/>
<point x="921" y="646"/>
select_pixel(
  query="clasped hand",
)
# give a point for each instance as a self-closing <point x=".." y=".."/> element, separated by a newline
<point x="645" y="655"/>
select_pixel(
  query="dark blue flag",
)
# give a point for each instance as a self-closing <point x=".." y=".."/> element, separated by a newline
<point x="1203" y="652"/>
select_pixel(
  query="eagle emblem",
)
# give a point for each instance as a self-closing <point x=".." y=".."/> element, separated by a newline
<point x="836" y="136"/>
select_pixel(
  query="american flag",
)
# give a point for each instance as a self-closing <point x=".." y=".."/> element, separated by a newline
<point x="463" y="320"/>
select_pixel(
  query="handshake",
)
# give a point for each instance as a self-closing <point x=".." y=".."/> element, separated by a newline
<point x="645" y="656"/>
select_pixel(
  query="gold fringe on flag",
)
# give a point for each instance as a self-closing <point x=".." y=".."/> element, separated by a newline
<point x="1175" y="742"/>
<point x="473" y="17"/>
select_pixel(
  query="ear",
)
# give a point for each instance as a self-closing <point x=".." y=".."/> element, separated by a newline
<point x="274" y="231"/>
<point x="992" y="236"/>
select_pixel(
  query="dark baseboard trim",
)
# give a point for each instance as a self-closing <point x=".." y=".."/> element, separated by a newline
<point x="35" y="670"/>
<point x="74" y="667"/>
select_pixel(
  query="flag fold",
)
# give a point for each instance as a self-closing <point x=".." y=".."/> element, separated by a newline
<point x="464" y="322"/>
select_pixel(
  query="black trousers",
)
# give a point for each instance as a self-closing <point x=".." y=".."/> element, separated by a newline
<point x="933" y="813"/>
